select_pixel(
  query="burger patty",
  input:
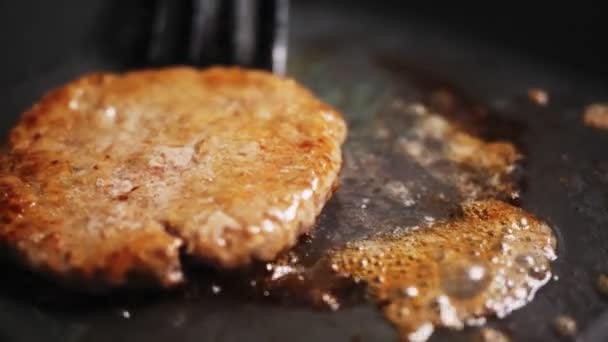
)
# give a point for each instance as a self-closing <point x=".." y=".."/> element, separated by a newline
<point x="110" y="178"/>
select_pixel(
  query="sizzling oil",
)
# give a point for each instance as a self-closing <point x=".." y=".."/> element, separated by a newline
<point x="453" y="273"/>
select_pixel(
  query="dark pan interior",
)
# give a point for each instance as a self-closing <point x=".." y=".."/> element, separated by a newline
<point x="352" y="57"/>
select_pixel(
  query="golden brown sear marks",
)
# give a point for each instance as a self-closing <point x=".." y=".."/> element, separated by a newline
<point x="453" y="273"/>
<point x="109" y="177"/>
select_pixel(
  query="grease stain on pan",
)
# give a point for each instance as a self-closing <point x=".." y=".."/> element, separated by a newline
<point x="491" y="335"/>
<point x="491" y="260"/>
<point x="488" y="260"/>
<point x="565" y="326"/>
<point x="596" y="116"/>
<point x="475" y="167"/>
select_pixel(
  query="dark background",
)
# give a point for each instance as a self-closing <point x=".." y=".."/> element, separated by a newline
<point x="36" y="36"/>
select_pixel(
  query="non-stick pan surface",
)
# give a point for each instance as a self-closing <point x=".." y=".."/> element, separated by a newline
<point x="357" y="62"/>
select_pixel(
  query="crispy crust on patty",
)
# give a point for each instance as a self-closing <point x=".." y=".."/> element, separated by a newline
<point x="109" y="178"/>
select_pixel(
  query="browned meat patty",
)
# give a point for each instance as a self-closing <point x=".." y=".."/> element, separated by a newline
<point x="108" y="178"/>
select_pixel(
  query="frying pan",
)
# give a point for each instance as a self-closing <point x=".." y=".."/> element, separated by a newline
<point x="355" y="59"/>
